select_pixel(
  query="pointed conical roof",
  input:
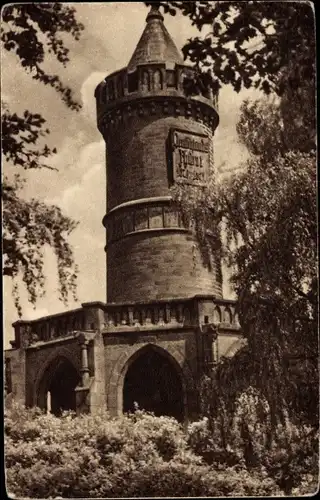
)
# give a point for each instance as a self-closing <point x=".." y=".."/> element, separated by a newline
<point x="155" y="44"/>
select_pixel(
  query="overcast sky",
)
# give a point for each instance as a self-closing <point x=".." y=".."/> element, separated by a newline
<point x="112" y="31"/>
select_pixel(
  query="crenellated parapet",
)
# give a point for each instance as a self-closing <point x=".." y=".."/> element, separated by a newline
<point x="158" y="315"/>
<point x="55" y="327"/>
<point x="154" y="90"/>
<point x="178" y="313"/>
<point x="147" y="80"/>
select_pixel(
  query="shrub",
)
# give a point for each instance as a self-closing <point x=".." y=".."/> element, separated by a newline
<point x="290" y="459"/>
<point x="93" y="456"/>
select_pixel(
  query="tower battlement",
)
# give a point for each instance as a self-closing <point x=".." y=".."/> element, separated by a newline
<point x="147" y="81"/>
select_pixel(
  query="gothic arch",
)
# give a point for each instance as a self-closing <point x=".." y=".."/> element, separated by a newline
<point x="227" y="315"/>
<point x="174" y="354"/>
<point x="48" y="368"/>
<point x="235" y="346"/>
<point x="217" y="315"/>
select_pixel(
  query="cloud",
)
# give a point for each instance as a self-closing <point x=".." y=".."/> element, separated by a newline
<point x="87" y="95"/>
<point x="85" y="195"/>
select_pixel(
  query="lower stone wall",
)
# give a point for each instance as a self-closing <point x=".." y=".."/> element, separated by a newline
<point x="111" y="355"/>
<point x="16" y="366"/>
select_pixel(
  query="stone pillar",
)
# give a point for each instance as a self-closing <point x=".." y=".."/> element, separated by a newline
<point x="84" y="363"/>
<point x="48" y="402"/>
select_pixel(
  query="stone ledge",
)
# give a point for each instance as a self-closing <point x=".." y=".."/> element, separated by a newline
<point x="152" y="230"/>
<point x="47" y="343"/>
<point x="150" y="328"/>
<point x="77" y="335"/>
<point x="141" y="201"/>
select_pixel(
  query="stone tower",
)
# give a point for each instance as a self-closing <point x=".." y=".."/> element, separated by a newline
<point x="154" y="137"/>
<point x="165" y="322"/>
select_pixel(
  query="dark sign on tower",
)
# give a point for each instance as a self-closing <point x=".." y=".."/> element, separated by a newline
<point x="189" y="157"/>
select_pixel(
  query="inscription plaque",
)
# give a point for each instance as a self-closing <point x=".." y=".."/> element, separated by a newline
<point x="189" y="157"/>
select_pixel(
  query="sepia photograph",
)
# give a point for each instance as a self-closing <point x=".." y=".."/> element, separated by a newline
<point x="160" y="249"/>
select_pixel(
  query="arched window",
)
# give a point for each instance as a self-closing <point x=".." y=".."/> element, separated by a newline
<point x="133" y="82"/>
<point x="148" y="319"/>
<point x="217" y="315"/>
<point x="157" y="80"/>
<point x="161" y="315"/>
<point x="136" y="317"/>
<point x="124" y="317"/>
<point x="145" y="81"/>
<point x="186" y="315"/>
<point x="227" y="316"/>
<point x="171" y="78"/>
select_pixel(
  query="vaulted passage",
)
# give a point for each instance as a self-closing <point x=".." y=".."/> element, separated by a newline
<point x="57" y="391"/>
<point x="153" y="382"/>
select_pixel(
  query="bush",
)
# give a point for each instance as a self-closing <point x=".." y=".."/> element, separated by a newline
<point x="242" y="440"/>
<point x="93" y="456"/>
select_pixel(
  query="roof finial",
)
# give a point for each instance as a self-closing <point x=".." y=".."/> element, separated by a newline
<point x="154" y="12"/>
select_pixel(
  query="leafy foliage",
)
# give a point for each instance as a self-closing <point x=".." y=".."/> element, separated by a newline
<point x="262" y="221"/>
<point x="28" y="227"/>
<point x="250" y="44"/>
<point x="95" y="456"/>
<point x="33" y="31"/>
<point x="277" y="227"/>
<point x="142" y="455"/>
<point x="241" y="439"/>
<point x="19" y="131"/>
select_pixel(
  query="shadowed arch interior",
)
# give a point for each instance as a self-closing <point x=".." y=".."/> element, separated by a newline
<point x="154" y="383"/>
<point x="60" y="379"/>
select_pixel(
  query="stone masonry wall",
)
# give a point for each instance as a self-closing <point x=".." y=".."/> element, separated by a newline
<point x="161" y="264"/>
<point x="16" y="358"/>
<point x="137" y="161"/>
<point x="153" y="266"/>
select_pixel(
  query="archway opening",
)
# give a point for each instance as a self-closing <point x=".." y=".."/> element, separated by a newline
<point x="154" y="384"/>
<point x="59" y="383"/>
